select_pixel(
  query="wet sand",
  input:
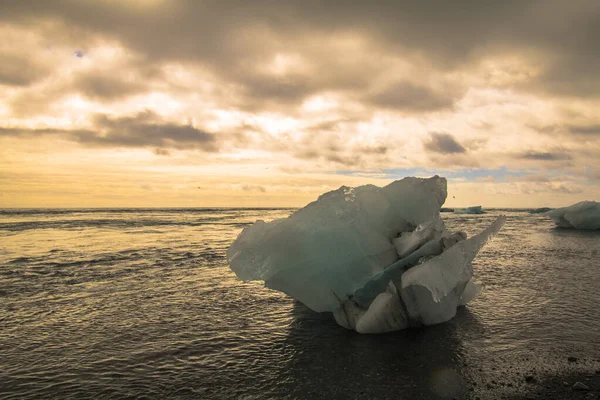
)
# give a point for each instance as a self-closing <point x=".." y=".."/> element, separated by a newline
<point x="436" y="362"/>
<point x="531" y="379"/>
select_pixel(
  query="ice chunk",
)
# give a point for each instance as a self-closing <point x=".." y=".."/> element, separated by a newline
<point x="471" y="291"/>
<point x="433" y="290"/>
<point x="582" y="215"/>
<point x="469" y="210"/>
<point x="328" y="249"/>
<point x="540" y="210"/>
<point x="365" y="295"/>
<point x="378" y="258"/>
<point x="425" y="294"/>
<point x="407" y="242"/>
<point x="385" y="314"/>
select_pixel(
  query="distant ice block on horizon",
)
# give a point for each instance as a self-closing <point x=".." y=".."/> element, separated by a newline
<point x="469" y="210"/>
<point x="582" y="215"/>
<point x="379" y="258"/>
<point x="541" y="210"/>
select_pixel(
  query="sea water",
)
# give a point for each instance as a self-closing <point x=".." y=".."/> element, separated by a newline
<point x="132" y="303"/>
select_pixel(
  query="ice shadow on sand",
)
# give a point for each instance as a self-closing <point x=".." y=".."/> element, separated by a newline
<point x="327" y="361"/>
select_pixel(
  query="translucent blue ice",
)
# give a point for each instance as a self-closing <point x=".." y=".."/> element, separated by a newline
<point x="582" y="215"/>
<point x="380" y="259"/>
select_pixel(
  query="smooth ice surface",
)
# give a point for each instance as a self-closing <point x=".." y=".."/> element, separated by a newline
<point x="582" y="215"/>
<point x="333" y="246"/>
<point x="469" y="210"/>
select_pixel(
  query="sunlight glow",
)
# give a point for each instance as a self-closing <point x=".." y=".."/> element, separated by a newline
<point x="283" y="64"/>
<point x="319" y="103"/>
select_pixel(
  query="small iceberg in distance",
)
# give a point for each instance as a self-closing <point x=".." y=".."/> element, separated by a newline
<point x="582" y="215"/>
<point x="540" y="210"/>
<point x="379" y="258"/>
<point x="470" y="210"/>
<point x="446" y="209"/>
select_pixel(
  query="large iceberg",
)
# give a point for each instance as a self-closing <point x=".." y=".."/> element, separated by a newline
<point x="379" y="258"/>
<point x="582" y="215"/>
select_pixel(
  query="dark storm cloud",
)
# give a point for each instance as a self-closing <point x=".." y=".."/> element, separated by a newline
<point x="545" y="156"/>
<point x="145" y="129"/>
<point x="443" y="143"/>
<point x="185" y="29"/>
<point x="229" y="35"/>
<point x="411" y="97"/>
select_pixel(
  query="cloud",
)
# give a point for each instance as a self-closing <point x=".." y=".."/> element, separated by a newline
<point x="591" y="130"/>
<point x="528" y="178"/>
<point x="389" y="42"/>
<point x="260" y="89"/>
<point x="18" y="70"/>
<point x="108" y="86"/>
<point x="381" y="149"/>
<point x="351" y="160"/>
<point x="553" y="188"/>
<point x="443" y="143"/>
<point x="330" y="148"/>
<point x="545" y="156"/>
<point x="309" y="85"/>
<point x="557" y="36"/>
<point x="346" y="158"/>
<point x="593" y="174"/>
<point x="253" y="188"/>
<point x="411" y="97"/>
<point x="488" y="178"/>
<point x="144" y="129"/>
<point x="566" y="189"/>
<point x="22" y="132"/>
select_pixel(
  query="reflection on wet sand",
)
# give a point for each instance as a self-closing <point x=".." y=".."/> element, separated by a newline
<point x="426" y="363"/>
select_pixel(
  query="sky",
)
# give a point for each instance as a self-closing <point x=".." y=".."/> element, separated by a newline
<point x="265" y="103"/>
